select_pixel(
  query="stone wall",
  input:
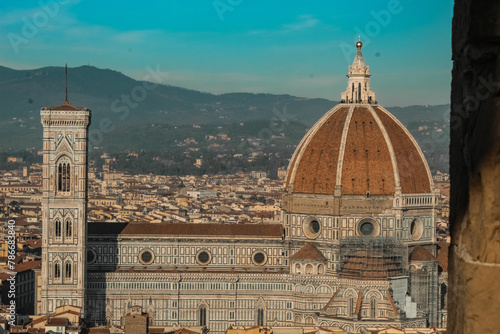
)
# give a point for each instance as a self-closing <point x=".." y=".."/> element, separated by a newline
<point x="473" y="300"/>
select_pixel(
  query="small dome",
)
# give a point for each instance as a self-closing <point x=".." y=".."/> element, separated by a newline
<point x="372" y="265"/>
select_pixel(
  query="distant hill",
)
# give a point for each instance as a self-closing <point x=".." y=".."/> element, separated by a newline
<point x="24" y="92"/>
<point x="98" y="89"/>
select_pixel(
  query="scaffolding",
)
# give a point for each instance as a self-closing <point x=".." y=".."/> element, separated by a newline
<point x="372" y="258"/>
<point x="384" y="258"/>
<point x="424" y="290"/>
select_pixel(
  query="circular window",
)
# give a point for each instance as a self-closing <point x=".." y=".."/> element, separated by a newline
<point x="203" y="257"/>
<point x="259" y="258"/>
<point x="91" y="256"/>
<point x="146" y="256"/>
<point x="311" y="227"/>
<point x="416" y="229"/>
<point x="368" y="227"/>
<point x="314" y="226"/>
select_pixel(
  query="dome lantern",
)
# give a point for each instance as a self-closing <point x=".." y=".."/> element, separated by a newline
<point x="358" y="85"/>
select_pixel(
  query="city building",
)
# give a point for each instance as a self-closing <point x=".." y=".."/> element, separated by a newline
<point x="356" y="247"/>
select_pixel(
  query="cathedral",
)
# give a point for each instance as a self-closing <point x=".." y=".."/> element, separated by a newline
<point x="356" y="247"/>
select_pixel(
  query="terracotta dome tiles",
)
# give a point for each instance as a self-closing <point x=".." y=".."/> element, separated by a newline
<point x="413" y="174"/>
<point x="317" y="168"/>
<point x="363" y="148"/>
<point x="371" y="265"/>
<point x="367" y="163"/>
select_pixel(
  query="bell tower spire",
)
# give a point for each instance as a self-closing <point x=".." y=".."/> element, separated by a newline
<point x="66" y="85"/>
<point x="358" y="85"/>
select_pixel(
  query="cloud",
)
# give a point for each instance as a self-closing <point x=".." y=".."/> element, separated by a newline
<point x="303" y="22"/>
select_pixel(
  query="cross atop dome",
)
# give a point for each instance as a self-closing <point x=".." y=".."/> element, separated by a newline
<point x="358" y="86"/>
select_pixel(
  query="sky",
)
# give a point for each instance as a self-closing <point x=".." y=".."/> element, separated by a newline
<point x="301" y="48"/>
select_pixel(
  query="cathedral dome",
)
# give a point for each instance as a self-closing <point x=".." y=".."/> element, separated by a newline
<point x="358" y="148"/>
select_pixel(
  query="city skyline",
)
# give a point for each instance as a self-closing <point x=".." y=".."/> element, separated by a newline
<point x="237" y="46"/>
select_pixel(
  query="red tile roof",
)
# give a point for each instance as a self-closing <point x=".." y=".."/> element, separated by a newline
<point x="65" y="107"/>
<point x="57" y="322"/>
<point x="34" y="243"/>
<point x="99" y="330"/>
<point x="443" y="255"/>
<point x="186" y="229"/>
<point x="309" y="252"/>
<point x="29" y="265"/>
<point x="419" y="253"/>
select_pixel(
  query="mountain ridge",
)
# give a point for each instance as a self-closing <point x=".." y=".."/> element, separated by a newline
<point x="126" y="103"/>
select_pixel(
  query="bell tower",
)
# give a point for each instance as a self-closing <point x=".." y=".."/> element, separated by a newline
<point x="358" y="86"/>
<point x="64" y="206"/>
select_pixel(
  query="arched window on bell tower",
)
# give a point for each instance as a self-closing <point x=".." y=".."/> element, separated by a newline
<point x="57" y="270"/>
<point x="58" y="228"/>
<point x="63" y="175"/>
<point x="68" y="270"/>
<point x="69" y="228"/>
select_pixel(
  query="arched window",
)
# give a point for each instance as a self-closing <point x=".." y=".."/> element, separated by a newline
<point x="58" y="227"/>
<point x="359" y="92"/>
<point x="309" y="269"/>
<point x="260" y="317"/>
<point x="203" y="316"/>
<point x="57" y="270"/>
<point x="350" y="306"/>
<point x="67" y="270"/>
<point x="63" y="175"/>
<point x="69" y="228"/>
<point x="373" y="308"/>
<point x="297" y="268"/>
